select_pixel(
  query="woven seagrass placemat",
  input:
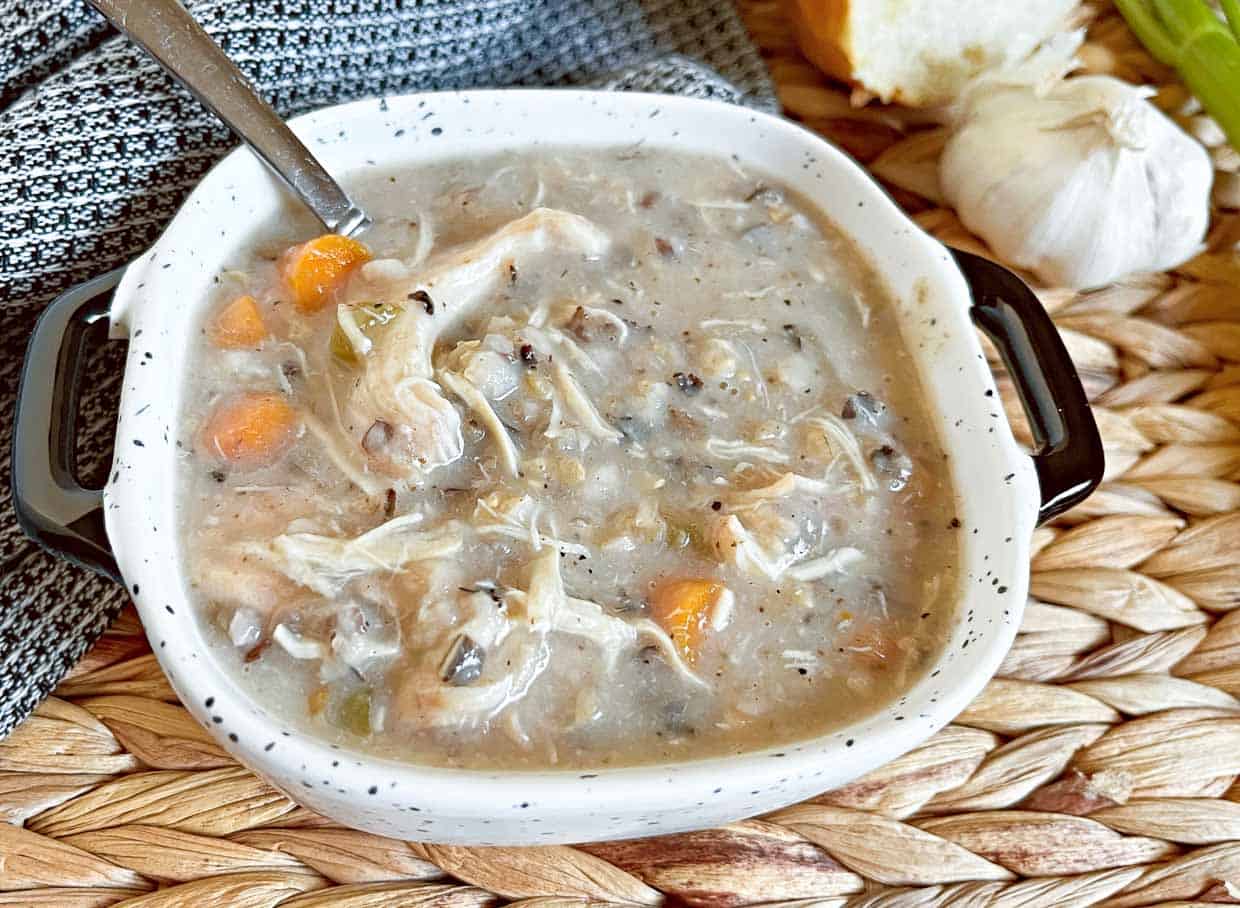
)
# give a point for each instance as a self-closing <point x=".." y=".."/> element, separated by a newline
<point x="1099" y="768"/>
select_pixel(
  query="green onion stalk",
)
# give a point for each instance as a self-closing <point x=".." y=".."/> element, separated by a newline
<point x="1189" y="36"/>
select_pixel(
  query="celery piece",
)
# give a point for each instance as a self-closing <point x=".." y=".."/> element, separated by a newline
<point x="373" y="317"/>
<point x="1185" y="20"/>
<point x="354" y="715"/>
<point x="1148" y="29"/>
<point x="1210" y="68"/>
<point x="341" y="348"/>
<point x="1231" y="9"/>
<point x="1188" y="35"/>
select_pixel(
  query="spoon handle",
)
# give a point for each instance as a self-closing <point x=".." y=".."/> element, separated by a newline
<point x="165" y="30"/>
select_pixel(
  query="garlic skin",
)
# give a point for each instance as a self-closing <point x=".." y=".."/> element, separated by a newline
<point x="1081" y="181"/>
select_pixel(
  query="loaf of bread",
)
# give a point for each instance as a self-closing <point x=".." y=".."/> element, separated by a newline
<point x="921" y="52"/>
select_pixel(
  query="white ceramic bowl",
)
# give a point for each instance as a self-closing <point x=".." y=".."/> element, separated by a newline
<point x="158" y="307"/>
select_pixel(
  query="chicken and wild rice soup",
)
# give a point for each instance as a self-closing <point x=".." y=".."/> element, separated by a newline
<point x="582" y="459"/>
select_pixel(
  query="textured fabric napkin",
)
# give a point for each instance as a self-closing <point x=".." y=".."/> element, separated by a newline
<point x="98" y="148"/>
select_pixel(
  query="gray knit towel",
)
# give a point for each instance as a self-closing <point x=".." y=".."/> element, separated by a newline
<point x="98" y="148"/>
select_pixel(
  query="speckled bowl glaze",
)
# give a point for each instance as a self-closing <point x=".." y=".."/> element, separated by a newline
<point x="159" y="306"/>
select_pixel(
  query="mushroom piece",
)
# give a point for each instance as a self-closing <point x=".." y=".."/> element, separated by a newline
<point x="395" y="385"/>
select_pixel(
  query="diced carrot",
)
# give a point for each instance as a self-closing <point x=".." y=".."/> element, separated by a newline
<point x="316" y="268"/>
<point x="253" y="429"/>
<point x="682" y="608"/>
<point x="239" y="325"/>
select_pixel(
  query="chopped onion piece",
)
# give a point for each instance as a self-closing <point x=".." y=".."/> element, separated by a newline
<point x="245" y="628"/>
<point x="296" y="645"/>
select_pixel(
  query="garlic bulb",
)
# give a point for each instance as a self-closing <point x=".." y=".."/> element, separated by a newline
<point x="1080" y="180"/>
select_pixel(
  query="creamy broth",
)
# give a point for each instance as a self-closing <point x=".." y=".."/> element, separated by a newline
<point x="589" y="458"/>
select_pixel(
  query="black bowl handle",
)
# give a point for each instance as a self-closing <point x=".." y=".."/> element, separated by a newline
<point x="53" y="507"/>
<point x="1067" y="452"/>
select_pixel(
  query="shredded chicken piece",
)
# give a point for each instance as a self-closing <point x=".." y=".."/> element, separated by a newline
<point x="367" y="482"/>
<point x="585" y="313"/>
<point x="486" y="625"/>
<point x="278" y="371"/>
<point x="567" y="345"/>
<point x="516" y="518"/>
<point x="752" y="294"/>
<point x="548" y="608"/>
<point x="394" y="387"/>
<point x="546" y="594"/>
<point x="427" y="436"/>
<point x="327" y="564"/>
<point x="785" y="485"/>
<point x="744" y="324"/>
<point x="735" y="545"/>
<point x="721" y="611"/>
<point x="436" y="704"/>
<point x="581" y="407"/>
<point x="834" y="562"/>
<point x="531" y="615"/>
<point x="758" y="381"/>
<point x="843" y="443"/>
<point x="742" y="450"/>
<point x="488" y="369"/>
<point x="523" y="650"/>
<point x="468" y="392"/>
<point x="363" y="637"/>
<point x="426" y="239"/>
<point x="385" y="271"/>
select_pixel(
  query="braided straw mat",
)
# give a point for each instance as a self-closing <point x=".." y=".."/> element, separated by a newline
<point x="1100" y="768"/>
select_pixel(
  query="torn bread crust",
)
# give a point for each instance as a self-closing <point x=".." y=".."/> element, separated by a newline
<point x="922" y="54"/>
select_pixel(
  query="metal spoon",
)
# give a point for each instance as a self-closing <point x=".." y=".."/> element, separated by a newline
<point x="166" y="31"/>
